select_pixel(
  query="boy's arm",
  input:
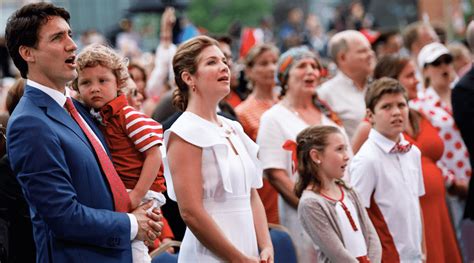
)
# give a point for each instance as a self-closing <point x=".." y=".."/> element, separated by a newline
<point x="151" y="166"/>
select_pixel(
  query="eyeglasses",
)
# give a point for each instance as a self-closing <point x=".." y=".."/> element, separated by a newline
<point x="442" y="60"/>
<point x="134" y="92"/>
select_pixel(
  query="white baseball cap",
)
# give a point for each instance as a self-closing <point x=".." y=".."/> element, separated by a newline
<point x="430" y="53"/>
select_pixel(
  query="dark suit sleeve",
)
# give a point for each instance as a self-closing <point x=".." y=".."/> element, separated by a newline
<point x="463" y="112"/>
<point x="37" y="156"/>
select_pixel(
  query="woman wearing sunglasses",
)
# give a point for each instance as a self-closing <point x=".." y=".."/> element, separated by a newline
<point x="438" y="74"/>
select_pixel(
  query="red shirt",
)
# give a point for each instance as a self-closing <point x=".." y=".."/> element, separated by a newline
<point x="129" y="133"/>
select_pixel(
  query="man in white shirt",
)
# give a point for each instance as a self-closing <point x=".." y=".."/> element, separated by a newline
<point x="71" y="197"/>
<point x="352" y="53"/>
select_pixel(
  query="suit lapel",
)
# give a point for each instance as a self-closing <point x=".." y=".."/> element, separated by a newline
<point x="84" y="112"/>
<point x="55" y="112"/>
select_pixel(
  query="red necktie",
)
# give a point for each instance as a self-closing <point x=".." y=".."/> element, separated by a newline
<point x="121" y="199"/>
<point x="398" y="148"/>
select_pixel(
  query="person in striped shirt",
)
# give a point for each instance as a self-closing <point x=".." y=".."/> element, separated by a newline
<point x="132" y="137"/>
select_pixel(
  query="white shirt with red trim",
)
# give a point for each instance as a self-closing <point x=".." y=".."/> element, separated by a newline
<point x="349" y="225"/>
<point x="396" y="182"/>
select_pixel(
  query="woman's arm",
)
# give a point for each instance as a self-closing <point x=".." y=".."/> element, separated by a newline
<point x="360" y="136"/>
<point x="283" y="184"/>
<point x="187" y="183"/>
<point x="261" y="228"/>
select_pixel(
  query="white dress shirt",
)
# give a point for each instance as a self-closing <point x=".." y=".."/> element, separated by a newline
<point x="345" y="99"/>
<point x="395" y="182"/>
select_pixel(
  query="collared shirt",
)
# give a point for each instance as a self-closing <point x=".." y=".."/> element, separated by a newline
<point x="345" y="99"/>
<point x="391" y="183"/>
<point x="129" y="134"/>
<point x="60" y="98"/>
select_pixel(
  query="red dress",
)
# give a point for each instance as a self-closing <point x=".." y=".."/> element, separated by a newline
<point x="441" y="241"/>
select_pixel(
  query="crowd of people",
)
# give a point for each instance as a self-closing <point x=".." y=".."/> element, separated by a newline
<point x="360" y="145"/>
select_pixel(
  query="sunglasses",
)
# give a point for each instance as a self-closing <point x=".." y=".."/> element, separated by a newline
<point x="134" y="92"/>
<point x="442" y="60"/>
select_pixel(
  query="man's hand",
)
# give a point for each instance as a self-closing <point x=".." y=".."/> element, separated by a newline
<point x="149" y="224"/>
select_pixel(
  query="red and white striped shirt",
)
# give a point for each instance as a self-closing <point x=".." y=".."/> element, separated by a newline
<point x="129" y="134"/>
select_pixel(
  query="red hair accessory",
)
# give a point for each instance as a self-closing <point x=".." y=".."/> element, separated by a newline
<point x="290" y="145"/>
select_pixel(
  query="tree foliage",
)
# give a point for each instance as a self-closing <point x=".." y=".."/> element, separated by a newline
<point x="217" y="15"/>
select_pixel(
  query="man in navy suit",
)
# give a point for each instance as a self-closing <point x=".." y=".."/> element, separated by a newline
<point x="463" y="111"/>
<point x="71" y="204"/>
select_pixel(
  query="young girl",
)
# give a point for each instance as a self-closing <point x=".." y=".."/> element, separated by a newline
<point x="329" y="210"/>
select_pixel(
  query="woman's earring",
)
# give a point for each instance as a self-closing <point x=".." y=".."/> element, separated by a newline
<point x="318" y="161"/>
<point x="194" y="88"/>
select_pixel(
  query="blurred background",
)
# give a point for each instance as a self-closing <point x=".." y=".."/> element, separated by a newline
<point x="317" y="20"/>
<point x="222" y="16"/>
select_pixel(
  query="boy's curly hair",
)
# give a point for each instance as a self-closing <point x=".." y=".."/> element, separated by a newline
<point x="98" y="54"/>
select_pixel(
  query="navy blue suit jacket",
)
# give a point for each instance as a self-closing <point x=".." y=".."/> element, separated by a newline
<point x="463" y="112"/>
<point x="70" y="201"/>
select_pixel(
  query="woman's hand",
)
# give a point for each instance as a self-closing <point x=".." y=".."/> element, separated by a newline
<point x="266" y="255"/>
<point x="245" y="259"/>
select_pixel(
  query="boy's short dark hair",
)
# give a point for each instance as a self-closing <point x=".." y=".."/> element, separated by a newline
<point x="23" y="27"/>
<point x="380" y="87"/>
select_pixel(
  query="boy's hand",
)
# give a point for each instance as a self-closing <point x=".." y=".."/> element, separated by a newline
<point x="135" y="199"/>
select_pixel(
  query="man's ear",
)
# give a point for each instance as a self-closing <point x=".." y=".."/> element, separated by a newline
<point x="369" y="115"/>
<point x="187" y="78"/>
<point x="26" y="53"/>
<point x="341" y="57"/>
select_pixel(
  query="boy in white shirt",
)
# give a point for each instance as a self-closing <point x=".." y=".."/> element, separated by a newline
<point x="386" y="172"/>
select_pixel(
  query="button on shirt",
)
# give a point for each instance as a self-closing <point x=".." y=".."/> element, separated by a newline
<point x="395" y="182"/>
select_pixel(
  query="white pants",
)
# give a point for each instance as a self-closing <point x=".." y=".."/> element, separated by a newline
<point x="139" y="250"/>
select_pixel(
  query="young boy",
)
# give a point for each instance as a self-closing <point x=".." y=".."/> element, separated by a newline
<point x="133" y="138"/>
<point x="386" y="172"/>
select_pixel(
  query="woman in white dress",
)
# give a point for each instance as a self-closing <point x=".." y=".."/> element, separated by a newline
<point x="211" y="166"/>
<point x="298" y="73"/>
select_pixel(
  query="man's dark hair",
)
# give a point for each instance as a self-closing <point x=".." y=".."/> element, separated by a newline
<point x="23" y="27"/>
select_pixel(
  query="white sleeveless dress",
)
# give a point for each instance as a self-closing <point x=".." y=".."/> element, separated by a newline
<point x="227" y="182"/>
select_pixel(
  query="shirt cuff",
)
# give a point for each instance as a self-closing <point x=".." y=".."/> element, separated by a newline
<point x="133" y="226"/>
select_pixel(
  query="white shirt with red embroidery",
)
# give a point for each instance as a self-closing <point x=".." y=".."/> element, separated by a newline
<point x="455" y="156"/>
